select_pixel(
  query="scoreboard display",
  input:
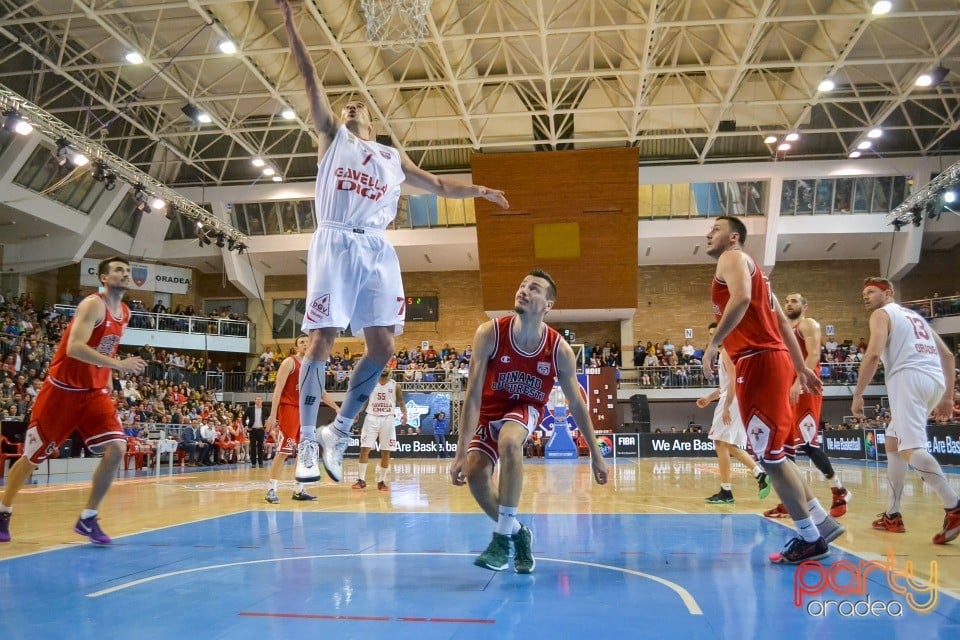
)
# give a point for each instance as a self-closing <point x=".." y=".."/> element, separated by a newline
<point x="422" y="309"/>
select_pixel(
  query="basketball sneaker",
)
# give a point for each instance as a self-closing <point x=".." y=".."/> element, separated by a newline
<point x="5" y="527"/>
<point x="841" y="496"/>
<point x="91" y="528"/>
<point x="724" y="496"/>
<point x="830" y="529"/>
<point x="523" y="560"/>
<point x="951" y="526"/>
<point x="892" y="523"/>
<point x="272" y="497"/>
<point x="496" y="555"/>
<point x="308" y="464"/>
<point x="383" y="486"/>
<point x="332" y="447"/>
<point x="359" y="484"/>
<point x="763" y="485"/>
<point x="303" y="495"/>
<point x="778" y="511"/>
<point x="799" y="550"/>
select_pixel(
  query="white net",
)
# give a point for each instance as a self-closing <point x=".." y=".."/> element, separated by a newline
<point x="395" y="24"/>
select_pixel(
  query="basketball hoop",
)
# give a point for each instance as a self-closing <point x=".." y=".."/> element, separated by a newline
<point x="395" y="24"/>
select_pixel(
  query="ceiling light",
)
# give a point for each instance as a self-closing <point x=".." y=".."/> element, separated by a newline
<point x="157" y="203"/>
<point x="881" y="7"/>
<point x="204" y="118"/>
<point x="277" y="178"/>
<point x="875" y="133"/>
<point x="866" y="144"/>
<point x="950" y="197"/>
<point x="228" y="47"/>
<point x="14" y="122"/>
<point x="258" y="162"/>
<point x="269" y="171"/>
<point x="288" y="114"/>
<point x="770" y="139"/>
<point x="923" y="80"/>
<point x="932" y="78"/>
<point x="854" y="154"/>
<point x="784" y="146"/>
<point x="133" y="57"/>
<point x="792" y="137"/>
<point x="826" y="85"/>
<point x="78" y="159"/>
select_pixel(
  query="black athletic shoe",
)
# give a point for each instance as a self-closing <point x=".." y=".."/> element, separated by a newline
<point x="799" y="550"/>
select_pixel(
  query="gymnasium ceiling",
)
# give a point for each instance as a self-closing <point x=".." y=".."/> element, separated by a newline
<point x="686" y="81"/>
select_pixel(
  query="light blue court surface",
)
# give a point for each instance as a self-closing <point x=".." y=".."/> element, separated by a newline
<point x="295" y="574"/>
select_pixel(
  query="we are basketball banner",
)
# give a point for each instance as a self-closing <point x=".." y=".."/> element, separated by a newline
<point x="143" y="276"/>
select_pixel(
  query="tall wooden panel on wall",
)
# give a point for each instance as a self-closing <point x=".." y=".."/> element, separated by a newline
<point x="554" y="197"/>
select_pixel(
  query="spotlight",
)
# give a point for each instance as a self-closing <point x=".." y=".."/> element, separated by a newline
<point x="933" y="211"/>
<point x="15" y="123"/>
<point x="195" y="114"/>
<point x="241" y="248"/>
<point x="221" y="239"/>
<point x="950" y="197"/>
<point x="898" y="224"/>
<point x="917" y="216"/>
<point x="171" y="213"/>
<point x="99" y="171"/>
<point x="230" y="244"/>
<point x="140" y="197"/>
<point x="157" y="203"/>
<point x="109" y="181"/>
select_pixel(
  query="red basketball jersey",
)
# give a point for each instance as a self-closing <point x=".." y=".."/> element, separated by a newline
<point x="515" y="377"/>
<point x="72" y="373"/>
<point x="291" y="393"/>
<point x="758" y="330"/>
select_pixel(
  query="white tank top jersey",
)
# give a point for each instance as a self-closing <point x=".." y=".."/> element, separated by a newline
<point x="358" y="182"/>
<point x="910" y="344"/>
<point x="383" y="399"/>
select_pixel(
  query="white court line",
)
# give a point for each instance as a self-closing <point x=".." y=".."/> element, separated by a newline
<point x="688" y="600"/>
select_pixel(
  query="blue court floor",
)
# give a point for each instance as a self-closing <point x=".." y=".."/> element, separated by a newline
<point x="297" y="574"/>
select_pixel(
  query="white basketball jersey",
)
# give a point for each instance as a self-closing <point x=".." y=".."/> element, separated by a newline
<point x="383" y="399"/>
<point x="910" y="344"/>
<point x="358" y="182"/>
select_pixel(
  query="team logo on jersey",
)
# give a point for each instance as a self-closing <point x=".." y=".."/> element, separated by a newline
<point x="505" y="359"/>
<point x="386" y="154"/>
<point x="543" y="368"/>
<point x="139" y="275"/>
<point x="319" y="308"/>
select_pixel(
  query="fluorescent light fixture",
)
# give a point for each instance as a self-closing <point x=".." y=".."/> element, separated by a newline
<point x="277" y="178"/>
<point x="269" y="171"/>
<point x="826" y="85"/>
<point x="854" y="154"/>
<point x="784" y="146"/>
<point x="882" y="7"/>
<point x="866" y="144"/>
<point x="792" y="137"/>
<point x="258" y="162"/>
<point x="133" y="57"/>
<point x="227" y="47"/>
<point x="875" y="133"/>
<point x="770" y="139"/>
<point x="288" y="114"/>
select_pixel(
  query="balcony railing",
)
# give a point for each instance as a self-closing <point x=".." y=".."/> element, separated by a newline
<point x="179" y="324"/>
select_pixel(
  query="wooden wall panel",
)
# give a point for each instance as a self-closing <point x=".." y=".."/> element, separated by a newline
<point x="596" y="188"/>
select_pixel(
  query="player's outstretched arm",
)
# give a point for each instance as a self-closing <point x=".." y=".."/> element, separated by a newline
<point x="448" y="187"/>
<point x="324" y="119"/>
<point x="567" y="376"/>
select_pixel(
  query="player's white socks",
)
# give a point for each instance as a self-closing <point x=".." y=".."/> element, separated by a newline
<point x="835" y="482"/>
<point x="274" y="484"/>
<point x="87" y="513"/>
<point x="817" y="512"/>
<point x="929" y="469"/>
<point x="299" y="488"/>
<point x="896" y="475"/>
<point x="5" y="509"/>
<point x="757" y="470"/>
<point x="362" y="471"/>
<point x="312" y="378"/>
<point x="726" y="486"/>
<point x="507" y="523"/>
<point x="382" y="473"/>
<point x="807" y="530"/>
